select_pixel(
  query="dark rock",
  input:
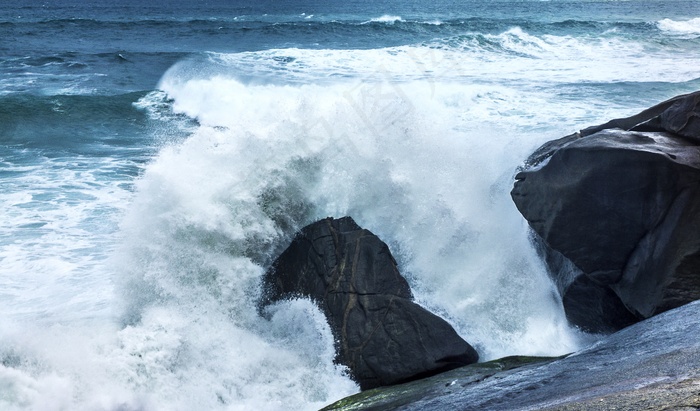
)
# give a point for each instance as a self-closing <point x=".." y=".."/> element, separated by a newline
<point x="617" y="213"/>
<point x="400" y="396"/>
<point x="679" y="116"/>
<point x="382" y="336"/>
<point x="651" y="365"/>
<point x="604" y="311"/>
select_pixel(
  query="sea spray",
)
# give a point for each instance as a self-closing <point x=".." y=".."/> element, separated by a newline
<point x="403" y="158"/>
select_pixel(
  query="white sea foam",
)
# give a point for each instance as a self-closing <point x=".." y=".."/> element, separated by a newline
<point x="683" y="27"/>
<point x="386" y="18"/>
<point x="175" y="359"/>
<point x="60" y="223"/>
<point x="514" y="55"/>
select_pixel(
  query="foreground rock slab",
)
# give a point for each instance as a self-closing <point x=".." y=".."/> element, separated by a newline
<point x="616" y="212"/>
<point x="382" y="336"/>
<point x="652" y="365"/>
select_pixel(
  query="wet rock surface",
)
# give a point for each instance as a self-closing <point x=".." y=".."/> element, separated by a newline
<point x="382" y="336"/>
<point x="651" y="365"/>
<point x="616" y="213"/>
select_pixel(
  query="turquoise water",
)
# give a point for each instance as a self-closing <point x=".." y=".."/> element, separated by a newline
<point x="155" y="159"/>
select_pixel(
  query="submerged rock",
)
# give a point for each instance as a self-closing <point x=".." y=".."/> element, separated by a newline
<point x="616" y="212"/>
<point x="382" y="336"/>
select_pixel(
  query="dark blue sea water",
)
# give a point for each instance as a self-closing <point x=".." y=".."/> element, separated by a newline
<point x="154" y="158"/>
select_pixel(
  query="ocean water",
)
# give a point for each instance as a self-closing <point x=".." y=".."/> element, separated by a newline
<point x="156" y="158"/>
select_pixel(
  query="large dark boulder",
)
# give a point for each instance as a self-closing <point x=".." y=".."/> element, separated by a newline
<point x="382" y="336"/>
<point x="616" y="212"/>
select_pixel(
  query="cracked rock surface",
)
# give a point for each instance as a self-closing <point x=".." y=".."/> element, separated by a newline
<point x="382" y="336"/>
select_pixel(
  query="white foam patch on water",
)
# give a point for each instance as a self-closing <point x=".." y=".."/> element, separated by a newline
<point x="683" y="27"/>
<point x="514" y="55"/>
<point x="386" y="18"/>
<point x="61" y="217"/>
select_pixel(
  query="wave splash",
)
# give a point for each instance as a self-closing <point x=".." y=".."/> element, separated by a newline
<point x="404" y="159"/>
<point x="513" y="55"/>
<point x="386" y="18"/>
<point x="685" y="27"/>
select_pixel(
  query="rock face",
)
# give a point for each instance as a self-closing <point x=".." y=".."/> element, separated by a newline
<point x="651" y="365"/>
<point x="616" y="212"/>
<point x="382" y="336"/>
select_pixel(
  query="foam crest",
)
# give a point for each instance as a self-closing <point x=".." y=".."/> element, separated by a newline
<point x="684" y="27"/>
<point x="564" y="59"/>
<point x="533" y="60"/>
<point x="386" y="18"/>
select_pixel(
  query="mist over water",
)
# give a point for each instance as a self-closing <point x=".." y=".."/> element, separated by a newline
<point x="139" y="224"/>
